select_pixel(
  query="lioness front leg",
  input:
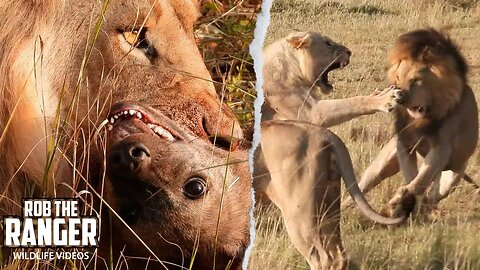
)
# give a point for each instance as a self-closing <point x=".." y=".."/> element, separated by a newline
<point x="328" y="113"/>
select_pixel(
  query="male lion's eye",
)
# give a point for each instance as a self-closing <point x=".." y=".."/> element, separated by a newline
<point x="416" y="83"/>
<point x="194" y="188"/>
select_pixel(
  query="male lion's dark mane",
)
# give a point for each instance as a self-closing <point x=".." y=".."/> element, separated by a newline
<point x="433" y="48"/>
<point x="414" y="44"/>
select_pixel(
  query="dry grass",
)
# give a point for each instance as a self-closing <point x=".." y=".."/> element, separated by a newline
<point x="369" y="28"/>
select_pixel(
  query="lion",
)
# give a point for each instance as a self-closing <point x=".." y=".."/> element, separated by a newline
<point x="154" y="186"/>
<point x="299" y="163"/>
<point x="436" y="116"/>
<point x="66" y="66"/>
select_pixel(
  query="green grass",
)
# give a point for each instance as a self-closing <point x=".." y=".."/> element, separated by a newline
<point x="369" y="28"/>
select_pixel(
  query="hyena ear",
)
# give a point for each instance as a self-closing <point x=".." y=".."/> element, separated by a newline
<point x="299" y="40"/>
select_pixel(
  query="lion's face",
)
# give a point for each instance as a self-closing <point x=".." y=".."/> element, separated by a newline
<point x="318" y="56"/>
<point x="71" y="61"/>
<point x="431" y="72"/>
<point x="169" y="187"/>
<point x="416" y="80"/>
<point x="145" y="51"/>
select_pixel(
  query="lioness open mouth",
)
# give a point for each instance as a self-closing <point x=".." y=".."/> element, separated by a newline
<point x="130" y="119"/>
<point x="323" y="82"/>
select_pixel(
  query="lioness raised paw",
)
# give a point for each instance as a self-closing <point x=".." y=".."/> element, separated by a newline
<point x="388" y="98"/>
<point x="398" y="97"/>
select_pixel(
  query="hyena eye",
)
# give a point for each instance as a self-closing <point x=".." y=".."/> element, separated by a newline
<point x="194" y="188"/>
<point x="137" y="38"/>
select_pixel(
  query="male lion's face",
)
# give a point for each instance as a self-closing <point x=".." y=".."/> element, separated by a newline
<point x="425" y="87"/>
<point x="431" y="71"/>
<point x="318" y="56"/>
<point x="171" y="188"/>
<point x="415" y="79"/>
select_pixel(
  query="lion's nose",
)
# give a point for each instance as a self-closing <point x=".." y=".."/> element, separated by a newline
<point x="223" y="130"/>
<point x="129" y="158"/>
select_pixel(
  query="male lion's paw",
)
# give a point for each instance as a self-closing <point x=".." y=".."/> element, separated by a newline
<point x="402" y="203"/>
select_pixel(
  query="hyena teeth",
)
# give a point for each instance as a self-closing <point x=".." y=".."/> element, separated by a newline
<point x="109" y="127"/>
<point x="112" y="120"/>
<point x="163" y="133"/>
<point x="125" y="112"/>
<point x="115" y="116"/>
<point x="139" y="115"/>
<point x="131" y="112"/>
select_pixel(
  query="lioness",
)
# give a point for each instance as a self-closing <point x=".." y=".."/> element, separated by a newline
<point x="298" y="165"/>
<point x="66" y="65"/>
<point x="436" y="116"/>
<point x="295" y="75"/>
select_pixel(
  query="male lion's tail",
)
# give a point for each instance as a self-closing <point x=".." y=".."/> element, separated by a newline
<point x="344" y="164"/>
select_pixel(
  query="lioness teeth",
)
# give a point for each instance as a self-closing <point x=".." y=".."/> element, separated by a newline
<point x="160" y="131"/>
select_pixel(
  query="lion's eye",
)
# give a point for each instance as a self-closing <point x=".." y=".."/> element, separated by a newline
<point x="137" y="38"/>
<point x="416" y="82"/>
<point x="194" y="188"/>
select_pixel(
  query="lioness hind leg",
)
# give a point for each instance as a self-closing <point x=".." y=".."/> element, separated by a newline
<point x="313" y="218"/>
<point x="305" y="185"/>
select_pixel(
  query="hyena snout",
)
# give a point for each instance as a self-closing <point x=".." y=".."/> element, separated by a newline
<point x="129" y="158"/>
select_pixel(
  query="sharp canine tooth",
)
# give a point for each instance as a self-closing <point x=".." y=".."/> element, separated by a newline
<point x="112" y="120"/>
<point x="131" y="112"/>
<point x="139" y="115"/>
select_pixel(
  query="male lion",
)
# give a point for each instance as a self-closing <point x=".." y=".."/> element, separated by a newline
<point x="68" y="64"/>
<point x="298" y="165"/>
<point x="436" y="117"/>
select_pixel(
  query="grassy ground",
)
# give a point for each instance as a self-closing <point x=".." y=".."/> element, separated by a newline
<point x="369" y="28"/>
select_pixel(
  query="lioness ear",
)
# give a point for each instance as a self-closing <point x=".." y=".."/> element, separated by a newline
<point x="299" y="41"/>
